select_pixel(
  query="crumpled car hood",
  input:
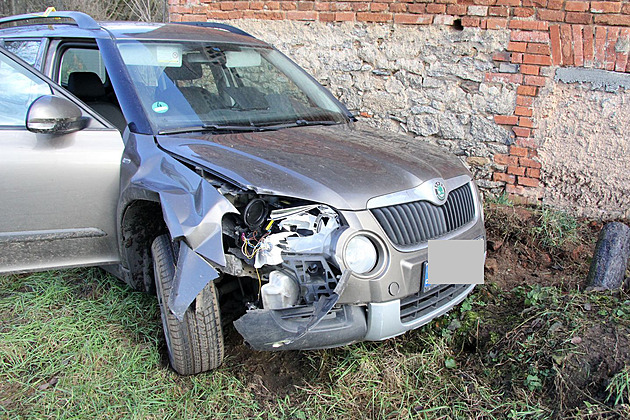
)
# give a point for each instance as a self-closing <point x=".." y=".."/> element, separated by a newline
<point x="340" y="166"/>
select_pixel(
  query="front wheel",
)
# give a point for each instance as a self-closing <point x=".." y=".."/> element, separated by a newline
<point x="195" y="344"/>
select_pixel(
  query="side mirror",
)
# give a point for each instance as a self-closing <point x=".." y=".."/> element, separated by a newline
<point x="55" y="115"/>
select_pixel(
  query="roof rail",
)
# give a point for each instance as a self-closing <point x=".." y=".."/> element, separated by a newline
<point x="217" y="25"/>
<point x="82" y="20"/>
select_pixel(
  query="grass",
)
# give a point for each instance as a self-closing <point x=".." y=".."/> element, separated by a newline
<point x="78" y="344"/>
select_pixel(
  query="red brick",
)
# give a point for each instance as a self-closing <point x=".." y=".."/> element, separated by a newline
<point x="526" y="122"/>
<point x="523" y="11"/>
<point x="495" y="23"/>
<point x="556" y="50"/>
<point x="456" y="9"/>
<point x="625" y="9"/>
<point x="326" y="17"/>
<point x="528" y="182"/>
<point x="524" y="102"/>
<point x="576" y="6"/>
<point x="535" y="80"/>
<point x="436" y="8"/>
<point x="516" y="170"/>
<point x="512" y="3"/>
<point x="551" y="15"/>
<point x="530" y="69"/>
<point x="360" y="7"/>
<point x="374" y="17"/>
<point x="256" y="5"/>
<point x="378" y="7"/>
<point x="555" y="4"/>
<point x="344" y="16"/>
<point x="498" y="176"/>
<point x="505" y="159"/>
<point x="605" y="7"/>
<point x="226" y="5"/>
<point x="622" y="57"/>
<point x="600" y="46"/>
<point x="501" y="56"/>
<point x="484" y="2"/>
<point x="533" y="173"/>
<point x="523" y="111"/>
<point x="498" y="11"/>
<point x="535" y="3"/>
<point x="534" y="48"/>
<point x="582" y="18"/>
<point x="530" y="163"/>
<point x="517" y="46"/>
<point x="272" y="5"/>
<point x="506" y="119"/>
<point x="522" y="132"/>
<point x="587" y="44"/>
<point x="413" y="19"/>
<point x="301" y="15"/>
<point x="305" y="6"/>
<point x="530" y="36"/>
<point x="398" y="8"/>
<point x="268" y="15"/>
<point x="528" y="25"/>
<point x="566" y="38"/>
<point x="532" y="153"/>
<point x="321" y="6"/>
<point x="417" y="8"/>
<point x="611" y="54"/>
<point x="578" y="49"/>
<point x="541" y="60"/>
<point x="613" y="20"/>
<point x="517" y="58"/>
<point x="470" y="21"/>
<point x="518" y="151"/>
<point x="527" y="90"/>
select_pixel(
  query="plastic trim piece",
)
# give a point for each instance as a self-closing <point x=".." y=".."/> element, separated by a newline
<point x="384" y="318"/>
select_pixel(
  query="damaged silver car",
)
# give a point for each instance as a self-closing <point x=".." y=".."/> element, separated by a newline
<point x="198" y="162"/>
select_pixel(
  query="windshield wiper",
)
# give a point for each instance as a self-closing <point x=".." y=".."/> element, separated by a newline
<point x="211" y="127"/>
<point x="301" y="123"/>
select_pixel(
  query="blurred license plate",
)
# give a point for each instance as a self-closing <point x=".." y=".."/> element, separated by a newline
<point x="426" y="286"/>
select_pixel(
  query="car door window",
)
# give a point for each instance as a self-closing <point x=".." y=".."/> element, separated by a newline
<point x="81" y="60"/>
<point x="26" y="50"/>
<point x="18" y="89"/>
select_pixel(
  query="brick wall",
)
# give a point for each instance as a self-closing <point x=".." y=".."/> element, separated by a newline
<point x="543" y="34"/>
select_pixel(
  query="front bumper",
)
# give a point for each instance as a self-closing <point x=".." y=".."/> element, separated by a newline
<point x="275" y="329"/>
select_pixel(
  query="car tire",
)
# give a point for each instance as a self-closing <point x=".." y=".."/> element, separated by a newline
<point x="195" y="344"/>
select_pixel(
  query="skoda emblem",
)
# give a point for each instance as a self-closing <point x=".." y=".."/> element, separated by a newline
<point x="440" y="190"/>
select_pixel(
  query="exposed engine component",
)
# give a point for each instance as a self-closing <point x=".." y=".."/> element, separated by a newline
<point x="288" y="248"/>
<point x="282" y="291"/>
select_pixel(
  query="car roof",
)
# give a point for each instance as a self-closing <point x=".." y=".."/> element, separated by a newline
<point x="80" y="25"/>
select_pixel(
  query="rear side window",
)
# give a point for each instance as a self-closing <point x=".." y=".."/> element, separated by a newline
<point x="81" y="60"/>
<point x="26" y="50"/>
<point x="18" y="89"/>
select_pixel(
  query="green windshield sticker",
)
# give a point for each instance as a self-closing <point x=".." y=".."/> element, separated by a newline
<point x="159" y="107"/>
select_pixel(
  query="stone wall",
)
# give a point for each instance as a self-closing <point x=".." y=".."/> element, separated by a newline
<point x="466" y="74"/>
<point x="584" y="147"/>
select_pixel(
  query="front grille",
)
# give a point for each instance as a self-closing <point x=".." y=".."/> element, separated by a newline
<point x="419" y="304"/>
<point x="411" y="224"/>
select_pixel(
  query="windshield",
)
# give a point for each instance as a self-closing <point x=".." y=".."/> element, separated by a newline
<point x="191" y="86"/>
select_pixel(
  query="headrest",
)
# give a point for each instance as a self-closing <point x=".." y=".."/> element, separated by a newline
<point x="188" y="71"/>
<point x="86" y="85"/>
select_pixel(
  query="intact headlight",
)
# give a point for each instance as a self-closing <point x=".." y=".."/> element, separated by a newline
<point x="360" y="254"/>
